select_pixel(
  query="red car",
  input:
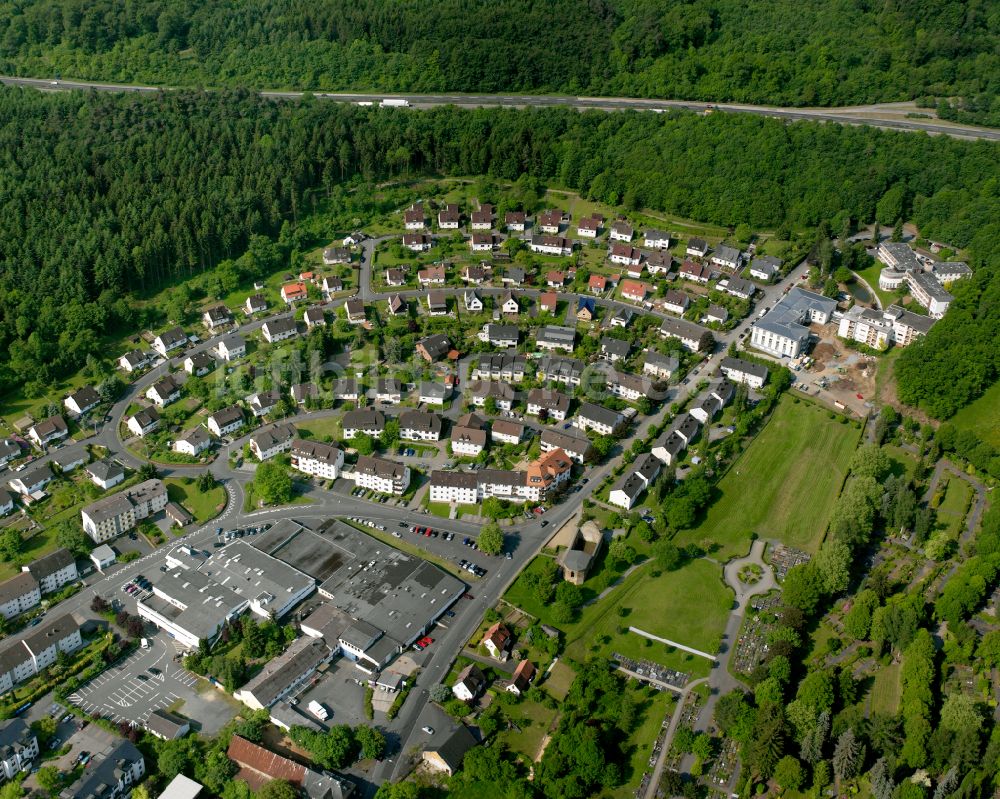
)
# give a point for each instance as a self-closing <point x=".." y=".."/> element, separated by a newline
<point x="425" y="642"/>
<point x="427" y="532"/>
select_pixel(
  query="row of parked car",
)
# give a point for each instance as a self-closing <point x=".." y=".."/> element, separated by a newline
<point x="137" y="585"/>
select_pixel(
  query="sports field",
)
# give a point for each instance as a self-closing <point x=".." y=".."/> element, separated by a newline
<point x="784" y="485"/>
<point x="982" y="417"/>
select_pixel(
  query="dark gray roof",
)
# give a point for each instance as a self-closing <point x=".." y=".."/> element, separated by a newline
<point x="747" y="367"/>
<point x="49" y="564"/>
<point x="600" y="414"/>
<point x="453" y="749"/>
<point x="105" y="470"/>
<point x="365" y="419"/>
<point x="615" y="346"/>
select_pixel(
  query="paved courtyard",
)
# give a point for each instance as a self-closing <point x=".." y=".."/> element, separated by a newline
<point x="130" y="691"/>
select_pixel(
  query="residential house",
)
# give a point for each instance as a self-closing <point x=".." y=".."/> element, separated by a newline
<point x="551" y="245"/>
<point x="555" y="337"/>
<point x="292" y="293"/>
<point x="437" y="303"/>
<point x="417" y="242"/>
<point x="634" y="290"/>
<point x="716" y="314"/>
<point x="193" y="442"/>
<point x="555" y="279"/>
<point x="199" y="364"/>
<point x="381" y="475"/>
<point x="449" y="217"/>
<point x="169" y="340"/>
<point x="336" y="255"/>
<point x="259" y="766"/>
<point x="102" y="556"/>
<point x="622" y="318"/>
<point x="548" y="404"/>
<point x="32" y="479"/>
<point x="502" y="394"/>
<point x="597" y="284"/>
<point x="433" y="393"/>
<point x="317" y="459"/>
<point x="695" y="272"/>
<point x="227" y="421"/>
<point x="54" y="570"/>
<point x="675" y="302"/>
<point x="467" y="441"/>
<point x="506" y="431"/>
<point x="513" y="276"/>
<point x="354" y="239"/>
<point x="624" y="254"/>
<point x="603" y="421"/>
<point x="726" y="257"/>
<point x="18" y="747"/>
<point x="469" y="683"/>
<point x="500" y="335"/>
<point x="576" y="445"/>
<point x="635" y="271"/>
<point x="414" y="218"/>
<point x="332" y="285"/>
<point x="22" y="658"/>
<point x="48" y="431"/>
<point x="231" y="348"/>
<point x="483" y="242"/>
<point x="656" y="239"/>
<point x="367" y="421"/>
<point x="355" y="311"/>
<point x="515" y="221"/>
<point x="273" y="440"/>
<point x="18" y="594"/>
<point x="621" y="231"/>
<point x="303" y="392"/>
<point x="546" y="475"/>
<point x="551" y="221"/>
<point x="105" y="474"/>
<point x="740" y="371"/>
<point x="711" y="403"/>
<point x="568" y="371"/>
<point x="586" y="309"/>
<point x="522" y="677"/>
<point x="475" y="274"/>
<point x="389" y="390"/>
<point x="9" y="450"/>
<point x="279" y="329"/>
<point x="143" y="421"/>
<point x="68" y="459"/>
<point x="82" y="400"/>
<point x="446" y="755"/>
<point x="588" y="228"/>
<point x="133" y="360"/>
<point x="419" y="426"/>
<point x="509" y="368"/>
<point x="164" y="391"/>
<point x="483" y="218"/>
<point x="263" y="402"/>
<point x="765" y="268"/>
<point x="631" y="387"/>
<point x="693" y="337"/>
<point x="740" y="287"/>
<point x="509" y="304"/>
<point x="473" y="302"/>
<point x="498" y="641"/>
<point x="548" y="301"/>
<point x="216" y="317"/>
<point x="315" y="317"/>
<point x="345" y="389"/>
<point x="434" y="348"/>
<point x="614" y="349"/>
<point x="395" y="277"/>
<point x="255" y="303"/>
<point x="118" y="513"/>
<point x="659" y="366"/>
<point x="660" y="263"/>
<point x="111" y="775"/>
<point x="697" y="247"/>
<point x="634" y="481"/>
<point x="396" y="305"/>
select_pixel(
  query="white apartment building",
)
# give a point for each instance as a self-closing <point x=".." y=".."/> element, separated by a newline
<point x="111" y="516"/>
<point x="273" y="440"/>
<point x="381" y="475"/>
<point x="18" y="594"/>
<point x="320" y="460"/>
<point x="784" y="330"/>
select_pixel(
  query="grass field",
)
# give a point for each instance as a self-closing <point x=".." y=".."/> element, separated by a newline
<point x="870" y="276"/>
<point x="534" y="720"/>
<point x="903" y="462"/>
<point x="784" y="485"/>
<point x="982" y="417"/>
<point x="886" y="691"/>
<point x="654" y="707"/>
<point x="203" y="506"/>
<point x="321" y="429"/>
<point x="955" y="504"/>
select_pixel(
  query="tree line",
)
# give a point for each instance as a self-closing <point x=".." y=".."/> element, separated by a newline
<point x="106" y="198"/>
<point x="830" y="53"/>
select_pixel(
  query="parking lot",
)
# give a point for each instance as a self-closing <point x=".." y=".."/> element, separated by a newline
<point x="337" y="688"/>
<point x="152" y="679"/>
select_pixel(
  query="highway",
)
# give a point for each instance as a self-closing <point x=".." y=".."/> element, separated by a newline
<point x="889" y="116"/>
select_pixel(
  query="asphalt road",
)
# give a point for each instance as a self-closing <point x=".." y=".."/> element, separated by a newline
<point x="884" y="115"/>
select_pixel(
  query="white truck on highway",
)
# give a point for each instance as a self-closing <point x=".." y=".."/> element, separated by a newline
<point x="396" y="102"/>
<point x="318" y="710"/>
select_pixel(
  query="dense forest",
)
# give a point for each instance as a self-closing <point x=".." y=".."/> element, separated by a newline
<point x="103" y="196"/>
<point x="818" y="52"/>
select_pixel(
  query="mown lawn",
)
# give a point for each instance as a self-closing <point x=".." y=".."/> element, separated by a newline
<point x="951" y="512"/>
<point x="202" y="505"/>
<point x="321" y="429"/>
<point x="886" y="691"/>
<point x="982" y="417"/>
<point x="784" y="486"/>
